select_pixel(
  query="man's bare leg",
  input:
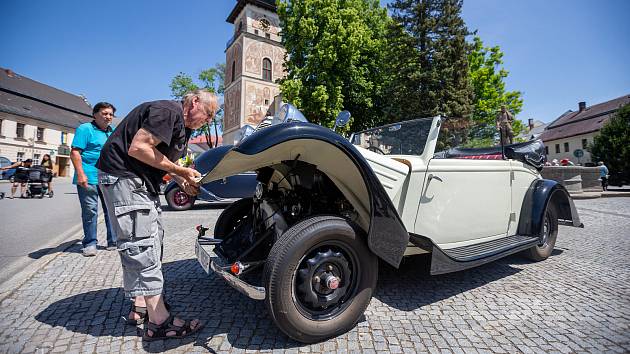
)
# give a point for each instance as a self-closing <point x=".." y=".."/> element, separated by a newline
<point x="139" y="302"/>
<point x="158" y="314"/>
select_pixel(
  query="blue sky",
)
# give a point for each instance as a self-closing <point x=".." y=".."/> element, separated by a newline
<point x="558" y="52"/>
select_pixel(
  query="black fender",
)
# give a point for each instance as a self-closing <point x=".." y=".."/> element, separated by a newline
<point x="540" y="193"/>
<point x="387" y="237"/>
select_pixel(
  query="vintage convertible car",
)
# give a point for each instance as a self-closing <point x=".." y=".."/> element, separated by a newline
<point x="326" y="210"/>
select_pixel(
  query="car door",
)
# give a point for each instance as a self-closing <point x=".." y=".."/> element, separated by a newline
<point x="464" y="201"/>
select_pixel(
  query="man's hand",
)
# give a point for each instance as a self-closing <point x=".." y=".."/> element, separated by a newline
<point x="187" y="179"/>
<point x="82" y="180"/>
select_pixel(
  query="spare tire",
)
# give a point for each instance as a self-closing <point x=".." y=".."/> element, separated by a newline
<point x="232" y="216"/>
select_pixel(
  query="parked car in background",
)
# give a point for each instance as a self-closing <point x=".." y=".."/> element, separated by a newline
<point x="7" y="174"/>
<point x="222" y="191"/>
<point x="618" y="179"/>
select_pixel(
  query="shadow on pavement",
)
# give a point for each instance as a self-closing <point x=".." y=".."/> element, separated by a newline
<point x="411" y="286"/>
<point x="70" y="246"/>
<point x="191" y="294"/>
<point x="197" y="206"/>
<point x="245" y="322"/>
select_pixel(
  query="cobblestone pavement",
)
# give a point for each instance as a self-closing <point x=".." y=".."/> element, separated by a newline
<point x="576" y="301"/>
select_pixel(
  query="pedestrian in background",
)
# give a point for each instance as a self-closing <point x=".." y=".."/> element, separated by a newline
<point x="603" y="175"/>
<point x="20" y="177"/>
<point x="48" y="165"/>
<point x="142" y="149"/>
<point x="88" y="141"/>
<point x="504" y="126"/>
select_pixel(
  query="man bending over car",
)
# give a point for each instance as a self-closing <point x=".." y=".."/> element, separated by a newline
<point x="133" y="161"/>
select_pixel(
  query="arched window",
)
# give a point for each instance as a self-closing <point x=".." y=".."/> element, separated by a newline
<point x="267" y="69"/>
<point x="233" y="70"/>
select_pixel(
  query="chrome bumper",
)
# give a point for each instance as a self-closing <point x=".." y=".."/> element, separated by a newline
<point x="213" y="263"/>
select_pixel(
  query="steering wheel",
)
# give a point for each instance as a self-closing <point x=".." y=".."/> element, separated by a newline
<point x="376" y="150"/>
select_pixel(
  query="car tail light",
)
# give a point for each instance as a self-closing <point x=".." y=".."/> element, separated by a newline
<point x="237" y="268"/>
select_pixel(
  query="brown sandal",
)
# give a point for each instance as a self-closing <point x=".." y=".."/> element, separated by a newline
<point x="160" y="331"/>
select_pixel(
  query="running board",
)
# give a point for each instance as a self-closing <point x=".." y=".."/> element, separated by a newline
<point x="460" y="258"/>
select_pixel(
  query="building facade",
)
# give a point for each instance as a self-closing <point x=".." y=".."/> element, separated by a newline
<point x="36" y="119"/>
<point x="576" y="130"/>
<point x="254" y="64"/>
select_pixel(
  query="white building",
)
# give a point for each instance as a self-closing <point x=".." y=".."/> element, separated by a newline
<point x="575" y="130"/>
<point x="36" y="119"/>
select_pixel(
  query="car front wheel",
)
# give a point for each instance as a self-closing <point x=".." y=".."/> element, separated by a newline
<point x="319" y="278"/>
<point x="547" y="239"/>
<point x="178" y="200"/>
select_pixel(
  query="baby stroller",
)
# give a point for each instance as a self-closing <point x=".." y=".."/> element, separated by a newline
<point x="37" y="183"/>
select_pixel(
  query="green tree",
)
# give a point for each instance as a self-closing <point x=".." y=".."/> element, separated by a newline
<point x="430" y="65"/>
<point x="211" y="79"/>
<point x="335" y="51"/>
<point x="612" y="144"/>
<point x="487" y="80"/>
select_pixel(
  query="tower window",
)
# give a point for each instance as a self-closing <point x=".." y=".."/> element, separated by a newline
<point x="266" y="69"/>
<point x="233" y="71"/>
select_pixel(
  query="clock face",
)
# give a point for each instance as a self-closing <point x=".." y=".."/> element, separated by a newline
<point x="265" y="25"/>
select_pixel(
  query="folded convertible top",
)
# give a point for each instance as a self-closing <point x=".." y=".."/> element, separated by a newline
<point x="530" y="152"/>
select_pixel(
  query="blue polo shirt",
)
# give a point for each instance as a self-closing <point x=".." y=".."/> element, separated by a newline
<point x="90" y="140"/>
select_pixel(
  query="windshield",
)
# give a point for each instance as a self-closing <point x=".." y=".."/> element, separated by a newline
<point x="403" y="138"/>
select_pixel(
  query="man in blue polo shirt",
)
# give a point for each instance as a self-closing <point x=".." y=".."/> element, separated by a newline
<point x="88" y="141"/>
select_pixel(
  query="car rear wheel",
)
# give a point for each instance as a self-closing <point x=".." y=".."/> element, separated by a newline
<point x="232" y="216"/>
<point x="319" y="279"/>
<point x="547" y="239"/>
<point x="177" y="199"/>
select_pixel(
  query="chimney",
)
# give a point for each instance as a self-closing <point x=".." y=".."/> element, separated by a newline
<point x="582" y="106"/>
<point x="530" y="123"/>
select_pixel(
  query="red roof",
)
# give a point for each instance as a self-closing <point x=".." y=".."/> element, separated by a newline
<point x="588" y="120"/>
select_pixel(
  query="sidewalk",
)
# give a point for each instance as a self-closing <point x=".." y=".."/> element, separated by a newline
<point x="612" y="192"/>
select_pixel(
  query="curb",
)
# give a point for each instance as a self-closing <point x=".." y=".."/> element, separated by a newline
<point x="65" y="240"/>
<point x="594" y="195"/>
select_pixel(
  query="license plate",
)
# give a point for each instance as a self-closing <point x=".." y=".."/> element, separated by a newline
<point x="203" y="257"/>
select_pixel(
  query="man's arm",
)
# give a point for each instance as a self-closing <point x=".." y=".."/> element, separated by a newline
<point x="16" y="164"/>
<point x="77" y="162"/>
<point x="143" y="149"/>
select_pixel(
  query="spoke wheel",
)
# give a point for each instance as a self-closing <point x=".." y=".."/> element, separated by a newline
<point x="177" y="199"/>
<point x="325" y="280"/>
<point x="547" y="237"/>
<point x="319" y="278"/>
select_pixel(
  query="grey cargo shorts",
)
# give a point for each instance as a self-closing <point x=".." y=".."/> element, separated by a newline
<point x="136" y="216"/>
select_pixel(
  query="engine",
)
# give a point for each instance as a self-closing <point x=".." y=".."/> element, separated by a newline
<point x="286" y="194"/>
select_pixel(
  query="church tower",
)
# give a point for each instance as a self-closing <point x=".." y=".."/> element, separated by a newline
<point x="253" y="65"/>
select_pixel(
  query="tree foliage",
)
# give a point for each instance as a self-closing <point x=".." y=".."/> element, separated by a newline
<point x="612" y="144"/>
<point x="335" y="51"/>
<point x="211" y="79"/>
<point x="487" y="80"/>
<point x="429" y="65"/>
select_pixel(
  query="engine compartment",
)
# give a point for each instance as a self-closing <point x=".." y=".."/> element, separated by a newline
<point x="286" y="193"/>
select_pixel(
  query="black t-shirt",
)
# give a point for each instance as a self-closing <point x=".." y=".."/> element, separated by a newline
<point x="163" y="119"/>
